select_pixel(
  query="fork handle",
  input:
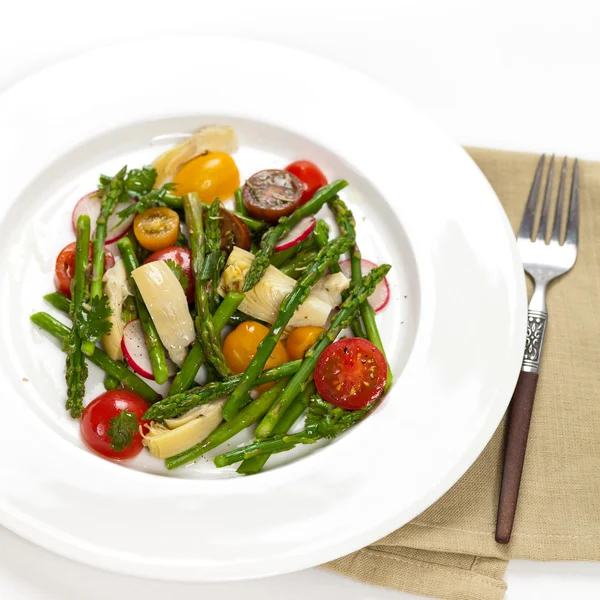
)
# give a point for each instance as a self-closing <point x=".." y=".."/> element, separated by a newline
<point x="519" y="419"/>
<point x="516" y="444"/>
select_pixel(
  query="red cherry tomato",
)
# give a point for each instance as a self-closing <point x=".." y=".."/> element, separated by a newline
<point x="310" y="175"/>
<point x="96" y="423"/>
<point x="351" y="373"/>
<point x="65" y="267"/>
<point x="183" y="257"/>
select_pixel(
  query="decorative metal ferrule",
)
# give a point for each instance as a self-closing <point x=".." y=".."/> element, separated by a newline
<point x="536" y="328"/>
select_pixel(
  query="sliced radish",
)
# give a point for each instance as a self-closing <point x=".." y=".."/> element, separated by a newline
<point x="135" y="351"/>
<point x="90" y="205"/>
<point x="381" y="296"/>
<point x="297" y="234"/>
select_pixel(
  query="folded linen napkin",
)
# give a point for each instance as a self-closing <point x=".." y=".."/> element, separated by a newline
<point x="449" y="550"/>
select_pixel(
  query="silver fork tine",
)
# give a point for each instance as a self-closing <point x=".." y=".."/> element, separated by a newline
<point x="558" y="213"/>
<point x="541" y="234"/>
<point x="573" y="221"/>
<point x="526" y="229"/>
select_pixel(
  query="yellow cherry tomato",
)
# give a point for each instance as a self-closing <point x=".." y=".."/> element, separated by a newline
<point x="156" y="228"/>
<point x="213" y="175"/>
<point x="240" y="347"/>
<point x="300" y="340"/>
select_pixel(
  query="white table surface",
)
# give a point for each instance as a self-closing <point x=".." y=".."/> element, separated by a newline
<point x="512" y="74"/>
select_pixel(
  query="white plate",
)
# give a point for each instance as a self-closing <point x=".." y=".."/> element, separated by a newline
<point x="454" y="329"/>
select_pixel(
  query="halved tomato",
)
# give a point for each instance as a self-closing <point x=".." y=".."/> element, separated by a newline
<point x="156" y="228"/>
<point x="234" y="232"/>
<point x="271" y="194"/>
<point x="351" y="373"/>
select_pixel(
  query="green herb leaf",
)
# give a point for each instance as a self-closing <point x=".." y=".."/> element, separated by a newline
<point x="178" y="272"/>
<point x="139" y="182"/>
<point x="92" y="324"/>
<point x="121" y="430"/>
<point x="146" y="201"/>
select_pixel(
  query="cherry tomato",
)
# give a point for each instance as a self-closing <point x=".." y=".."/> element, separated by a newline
<point x="240" y="347"/>
<point x="97" y="419"/>
<point x="234" y="232"/>
<point x="183" y="257"/>
<point x="310" y="175"/>
<point x="300" y="340"/>
<point x="212" y="175"/>
<point x="157" y="228"/>
<point x="271" y="194"/>
<point x="351" y="373"/>
<point x="64" y="270"/>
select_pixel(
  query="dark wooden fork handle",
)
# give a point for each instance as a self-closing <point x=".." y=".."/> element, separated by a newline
<point x="516" y="444"/>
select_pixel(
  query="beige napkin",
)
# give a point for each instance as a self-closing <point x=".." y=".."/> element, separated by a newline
<point x="449" y="550"/>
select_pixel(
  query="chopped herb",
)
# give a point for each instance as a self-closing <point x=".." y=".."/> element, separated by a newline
<point x="92" y="320"/>
<point x="178" y="272"/>
<point x="121" y="430"/>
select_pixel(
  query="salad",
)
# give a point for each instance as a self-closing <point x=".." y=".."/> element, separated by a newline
<point x="241" y="287"/>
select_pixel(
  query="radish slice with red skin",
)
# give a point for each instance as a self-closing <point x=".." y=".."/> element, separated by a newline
<point x="90" y="205"/>
<point x="381" y="296"/>
<point x="135" y="351"/>
<point x="297" y="233"/>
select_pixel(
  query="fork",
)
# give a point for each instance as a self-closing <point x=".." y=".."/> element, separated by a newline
<point x="544" y="260"/>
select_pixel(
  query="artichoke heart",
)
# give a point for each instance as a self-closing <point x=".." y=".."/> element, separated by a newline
<point x="263" y="300"/>
<point x="213" y="138"/>
<point x="185" y="431"/>
<point x="116" y="288"/>
<point x="166" y="302"/>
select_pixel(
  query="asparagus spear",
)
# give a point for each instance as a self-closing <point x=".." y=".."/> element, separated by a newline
<point x="291" y="302"/>
<point x="215" y="259"/>
<point x="110" y="382"/>
<point x="274" y="234"/>
<point x="174" y="406"/>
<point x="129" y="312"/>
<point x="295" y="267"/>
<point x="155" y="347"/>
<point x="110" y="198"/>
<point x="76" y="371"/>
<point x="323" y="421"/>
<point x="253" y="465"/>
<point x="58" y="301"/>
<point x="321" y="233"/>
<point x="195" y="357"/>
<point x="252" y="224"/>
<point x="199" y="243"/>
<point x="248" y="415"/>
<point x="116" y="369"/>
<point x="347" y="226"/>
<point x="340" y="321"/>
<point x="315" y="241"/>
<point x="240" y="207"/>
<point x="284" y="256"/>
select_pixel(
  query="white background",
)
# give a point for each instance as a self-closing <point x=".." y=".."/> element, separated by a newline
<point x="514" y="74"/>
